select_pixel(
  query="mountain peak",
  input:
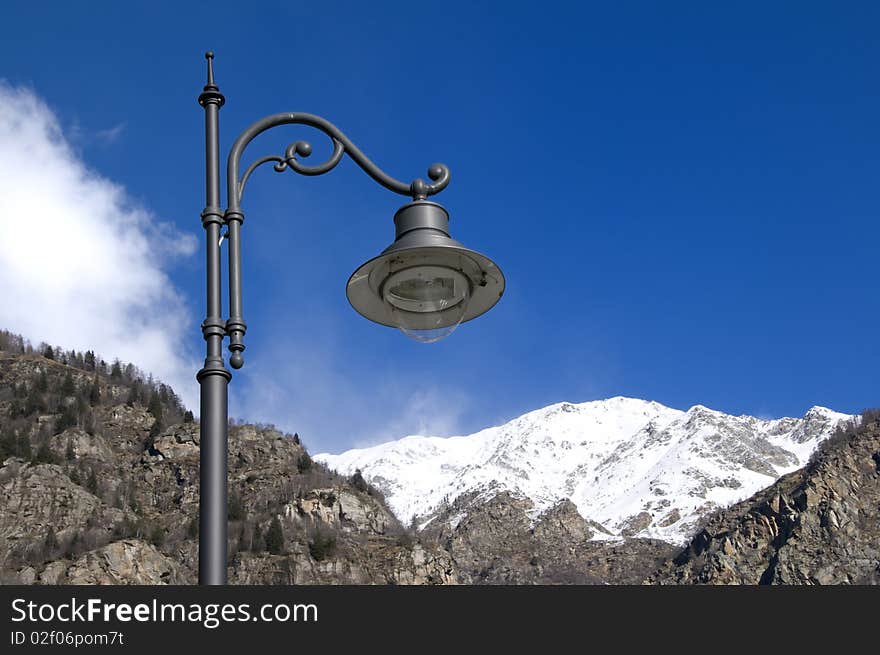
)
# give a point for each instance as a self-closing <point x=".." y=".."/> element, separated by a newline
<point x="820" y="412"/>
<point x="635" y="467"/>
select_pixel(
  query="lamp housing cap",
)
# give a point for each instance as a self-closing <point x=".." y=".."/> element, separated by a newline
<point x="421" y="224"/>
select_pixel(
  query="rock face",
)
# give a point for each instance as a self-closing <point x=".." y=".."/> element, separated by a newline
<point x="818" y="525"/>
<point x="35" y="498"/>
<point x="370" y="562"/>
<point x="130" y="561"/>
<point x="496" y="542"/>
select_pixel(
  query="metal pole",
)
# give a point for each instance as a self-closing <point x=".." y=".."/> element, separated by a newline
<point x="213" y="378"/>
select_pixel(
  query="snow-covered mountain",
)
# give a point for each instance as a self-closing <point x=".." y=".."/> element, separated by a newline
<point x="636" y="468"/>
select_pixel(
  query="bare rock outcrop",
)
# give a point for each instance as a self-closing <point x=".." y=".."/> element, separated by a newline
<point x="131" y="561"/>
<point x="36" y="499"/>
<point x="499" y="541"/>
<point x="818" y="525"/>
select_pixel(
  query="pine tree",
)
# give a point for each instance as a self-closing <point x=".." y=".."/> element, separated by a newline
<point x="44" y="454"/>
<point x="68" y="388"/>
<point x="66" y="420"/>
<point x="322" y="547"/>
<point x="155" y="408"/>
<point x="50" y="543"/>
<point x="235" y="510"/>
<point x="34" y="403"/>
<point x="24" y="446"/>
<point x="304" y="463"/>
<point x="73" y="545"/>
<point x="48" y="353"/>
<point x="42" y="383"/>
<point x="275" y="537"/>
<point x="88" y="423"/>
<point x="358" y="482"/>
<point x="8" y="444"/>
<point x="188" y="417"/>
<point x="82" y="406"/>
<point x="157" y="536"/>
<point x="94" y="392"/>
<point x="257" y="540"/>
<point x="134" y="394"/>
<point x="192" y="530"/>
<point x="116" y="371"/>
<point x="92" y="483"/>
<point x="242" y="537"/>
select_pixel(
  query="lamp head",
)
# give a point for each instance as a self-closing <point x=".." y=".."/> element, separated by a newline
<point x="425" y="283"/>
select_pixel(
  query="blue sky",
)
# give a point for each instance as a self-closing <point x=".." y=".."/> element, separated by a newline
<point x="683" y="198"/>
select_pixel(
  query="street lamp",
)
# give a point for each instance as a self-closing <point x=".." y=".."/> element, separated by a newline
<point x="424" y="283"/>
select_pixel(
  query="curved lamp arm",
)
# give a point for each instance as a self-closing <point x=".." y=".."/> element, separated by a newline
<point x="418" y="189"/>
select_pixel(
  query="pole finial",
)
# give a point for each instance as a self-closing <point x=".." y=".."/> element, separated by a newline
<point x="210" y="57"/>
<point x="211" y="93"/>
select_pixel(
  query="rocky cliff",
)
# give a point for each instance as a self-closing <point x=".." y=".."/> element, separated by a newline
<point x="498" y="542"/>
<point x="818" y="525"/>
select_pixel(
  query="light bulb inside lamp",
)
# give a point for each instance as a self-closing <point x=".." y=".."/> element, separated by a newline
<point x="427" y="302"/>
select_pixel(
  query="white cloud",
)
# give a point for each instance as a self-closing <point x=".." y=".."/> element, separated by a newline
<point x="111" y="134"/>
<point x="426" y="411"/>
<point x="310" y="391"/>
<point x="81" y="264"/>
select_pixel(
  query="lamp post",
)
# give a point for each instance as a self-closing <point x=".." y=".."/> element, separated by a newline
<point x="424" y="283"/>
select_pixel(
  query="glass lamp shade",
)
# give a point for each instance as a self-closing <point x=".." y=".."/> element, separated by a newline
<point x="427" y="302"/>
